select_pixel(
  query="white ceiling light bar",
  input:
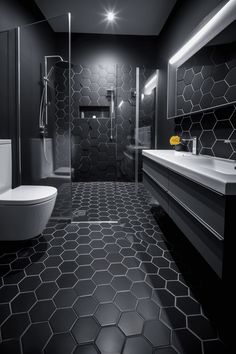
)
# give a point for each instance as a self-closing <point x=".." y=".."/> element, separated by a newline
<point x="206" y="33"/>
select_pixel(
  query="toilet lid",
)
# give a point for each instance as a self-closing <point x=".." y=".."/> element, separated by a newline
<point x="26" y="195"/>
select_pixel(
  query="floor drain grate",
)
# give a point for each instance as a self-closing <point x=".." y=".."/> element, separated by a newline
<point x="80" y="213"/>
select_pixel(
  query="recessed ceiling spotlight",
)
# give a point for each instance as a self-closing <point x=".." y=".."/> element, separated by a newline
<point x="110" y="15"/>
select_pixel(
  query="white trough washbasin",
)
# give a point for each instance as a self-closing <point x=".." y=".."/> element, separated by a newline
<point x="215" y="173"/>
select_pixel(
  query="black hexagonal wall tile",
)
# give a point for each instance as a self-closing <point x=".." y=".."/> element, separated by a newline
<point x="207" y="138"/>
<point x="230" y="94"/>
<point x="223" y="129"/>
<point x="188" y="76"/>
<point x="219" y="72"/>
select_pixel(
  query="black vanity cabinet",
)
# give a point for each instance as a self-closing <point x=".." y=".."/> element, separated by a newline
<point x="202" y="214"/>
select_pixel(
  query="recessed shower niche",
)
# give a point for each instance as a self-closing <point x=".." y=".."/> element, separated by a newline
<point x="94" y="112"/>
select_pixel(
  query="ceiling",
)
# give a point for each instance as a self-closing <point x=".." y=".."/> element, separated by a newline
<point x="134" y="17"/>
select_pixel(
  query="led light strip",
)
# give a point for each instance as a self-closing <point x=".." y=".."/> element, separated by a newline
<point x="209" y="27"/>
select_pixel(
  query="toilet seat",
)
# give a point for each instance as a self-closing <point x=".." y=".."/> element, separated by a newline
<point x="27" y="195"/>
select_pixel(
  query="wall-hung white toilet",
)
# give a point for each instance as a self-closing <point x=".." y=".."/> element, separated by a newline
<point x="25" y="210"/>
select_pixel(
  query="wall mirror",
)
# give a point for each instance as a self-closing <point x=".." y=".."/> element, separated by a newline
<point x="202" y="73"/>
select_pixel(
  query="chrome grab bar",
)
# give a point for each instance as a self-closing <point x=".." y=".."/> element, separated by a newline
<point x="112" y="111"/>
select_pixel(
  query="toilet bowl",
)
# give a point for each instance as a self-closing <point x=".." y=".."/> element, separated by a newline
<point x="25" y="210"/>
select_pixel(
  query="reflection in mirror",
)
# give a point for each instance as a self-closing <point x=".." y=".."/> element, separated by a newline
<point x="202" y="74"/>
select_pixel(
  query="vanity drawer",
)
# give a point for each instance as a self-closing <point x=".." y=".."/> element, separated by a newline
<point x="156" y="191"/>
<point x="205" y="205"/>
<point x="202" y="239"/>
<point x="157" y="171"/>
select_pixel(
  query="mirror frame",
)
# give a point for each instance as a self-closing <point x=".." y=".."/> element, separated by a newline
<point x="195" y="42"/>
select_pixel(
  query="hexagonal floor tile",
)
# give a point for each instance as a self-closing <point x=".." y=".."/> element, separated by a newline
<point x="148" y="309"/>
<point x="36" y="337"/>
<point x="60" y="344"/>
<point x="62" y="320"/>
<point x="157" y="333"/>
<point x="126" y="301"/>
<point x="85" y="330"/>
<point x="85" y="306"/>
<point x="104" y="293"/>
<point x="137" y="345"/>
<point x="107" y="314"/>
<point x="131" y="323"/>
<point x="110" y="340"/>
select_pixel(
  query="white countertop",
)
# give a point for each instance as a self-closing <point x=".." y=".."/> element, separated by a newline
<point x="214" y="173"/>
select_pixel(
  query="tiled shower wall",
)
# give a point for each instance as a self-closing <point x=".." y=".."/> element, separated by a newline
<point x="95" y="156"/>
<point x="209" y="79"/>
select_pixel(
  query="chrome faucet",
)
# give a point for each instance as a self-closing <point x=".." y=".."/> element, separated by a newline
<point x="194" y="144"/>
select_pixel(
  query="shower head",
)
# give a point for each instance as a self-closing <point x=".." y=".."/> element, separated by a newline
<point x="63" y="64"/>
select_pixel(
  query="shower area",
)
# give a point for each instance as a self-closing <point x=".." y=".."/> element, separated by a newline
<point x="113" y="118"/>
<point x="44" y="76"/>
<point x="80" y="127"/>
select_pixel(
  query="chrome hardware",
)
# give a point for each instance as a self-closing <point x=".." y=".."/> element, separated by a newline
<point x="228" y="141"/>
<point x="194" y="145"/>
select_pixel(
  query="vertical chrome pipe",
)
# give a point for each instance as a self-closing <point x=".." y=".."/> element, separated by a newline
<point x="69" y="112"/>
<point x="112" y="111"/>
<point x="156" y="110"/>
<point x="136" y="127"/>
<point x="19" y="106"/>
<point x="46" y="89"/>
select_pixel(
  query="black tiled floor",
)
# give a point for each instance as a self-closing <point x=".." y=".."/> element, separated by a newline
<point x="102" y="288"/>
